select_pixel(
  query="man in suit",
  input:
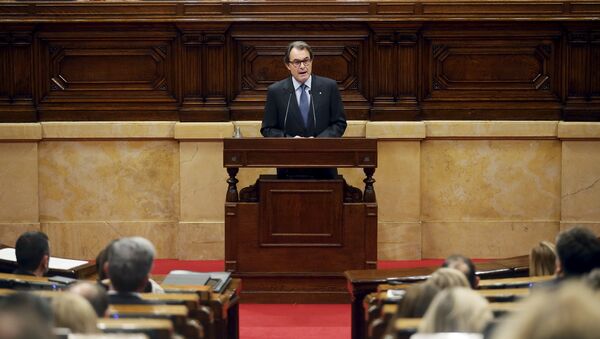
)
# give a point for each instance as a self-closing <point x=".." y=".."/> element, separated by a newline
<point x="33" y="254"/>
<point x="128" y="266"/>
<point x="303" y="105"/>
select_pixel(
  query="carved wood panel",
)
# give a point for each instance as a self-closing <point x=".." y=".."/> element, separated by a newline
<point x="583" y="74"/>
<point x="125" y="69"/>
<point x="476" y="70"/>
<point x="16" y="75"/>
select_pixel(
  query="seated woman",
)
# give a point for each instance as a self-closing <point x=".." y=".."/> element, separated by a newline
<point x="457" y="309"/>
<point x="542" y="259"/>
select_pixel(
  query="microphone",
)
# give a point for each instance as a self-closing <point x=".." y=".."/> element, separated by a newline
<point x="287" y="109"/>
<point x="312" y="102"/>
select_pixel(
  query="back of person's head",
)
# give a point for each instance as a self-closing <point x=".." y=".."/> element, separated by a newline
<point x="129" y="263"/>
<point x="593" y="279"/>
<point x="465" y="265"/>
<point x="542" y="259"/>
<point x="95" y="294"/>
<point x="30" y="249"/>
<point x="72" y="311"/>
<point x="457" y="309"/>
<point x="416" y="300"/>
<point x="25" y="316"/>
<point x="571" y="312"/>
<point x="578" y="251"/>
<point x="446" y="277"/>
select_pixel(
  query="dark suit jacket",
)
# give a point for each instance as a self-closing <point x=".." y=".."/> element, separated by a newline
<point x="129" y="299"/>
<point x="326" y="119"/>
<point x="282" y="118"/>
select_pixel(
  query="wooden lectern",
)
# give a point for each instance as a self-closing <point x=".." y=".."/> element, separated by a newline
<point x="290" y="240"/>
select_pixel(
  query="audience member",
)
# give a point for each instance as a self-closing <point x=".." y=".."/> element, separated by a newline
<point x="578" y="252"/>
<point x="129" y="263"/>
<point x="33" y="254"/>
<point x="571" y="312"/>
<point x="593" y="279"/>
<point x="465" y="265"/>
<point x="72" y="311"/>
<point x="25" y="316"/>
<point x="542" y="259"/>
<point x="457" y="309"/>
<point x="416" y="300"/>
<point x="94" y="294"/>
<point x="445" y="277"/>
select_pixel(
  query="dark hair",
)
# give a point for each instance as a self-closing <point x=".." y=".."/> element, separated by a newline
<point x="301" y="45"/>
<point x="464" y="265"/>
<point x="30" y="248"/>
<point x="578" y="251"/>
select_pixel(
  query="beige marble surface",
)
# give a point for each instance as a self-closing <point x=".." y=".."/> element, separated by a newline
<point x="201" y="240"/>
<point x="465" y="180"/>
<point x="86" y="239"/>
<point x="579" y="130"/>
<point x="491" y="129"/>
<point x="396" y="129"/>
<point x="580" y="196"/>
<point x="399" y="240"/>
<point x="203" y="181"/>
<point x="108" y="130"/>
<point x="109" y="180"/>
<point x="18" y="182"/>
<point x="20" y="131"/>
<point x="10" y="232"/>
<point x="484" y="239"/>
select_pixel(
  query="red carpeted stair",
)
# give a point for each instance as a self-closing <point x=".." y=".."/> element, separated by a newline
<point x="298" y="321"/>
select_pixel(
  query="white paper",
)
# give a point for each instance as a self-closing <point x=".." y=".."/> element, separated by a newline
<point x="8" y="254"/>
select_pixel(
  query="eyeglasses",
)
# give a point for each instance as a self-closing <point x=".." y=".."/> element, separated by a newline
<point x="297" y="63"/>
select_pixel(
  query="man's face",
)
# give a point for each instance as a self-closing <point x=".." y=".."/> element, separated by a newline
<point x="300" y="65"/>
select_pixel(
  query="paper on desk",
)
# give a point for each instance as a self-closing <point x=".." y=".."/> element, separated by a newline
<point x="8" y="254"/>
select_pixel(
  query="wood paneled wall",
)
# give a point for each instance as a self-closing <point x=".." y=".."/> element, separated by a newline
<point x="212" y="61"/>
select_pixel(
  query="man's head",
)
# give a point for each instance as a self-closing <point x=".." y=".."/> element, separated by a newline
<point x="578" y="252"/>
<point x="298" y="60"/>
<point x="25" y="316"/>
<point x="465" y="265"/>
<point x="129" y="263"/>
<point x="33" y="252"/>
<point x="94" y="294"/>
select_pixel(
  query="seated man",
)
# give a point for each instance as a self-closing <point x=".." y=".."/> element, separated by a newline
<point x="578" y="253"/>
<point x="129" y="263"/>
<point x="465" y="265"/>
<point x="33" y="254"/>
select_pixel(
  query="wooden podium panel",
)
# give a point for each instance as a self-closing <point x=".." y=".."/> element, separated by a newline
<point x="290" y="240"/>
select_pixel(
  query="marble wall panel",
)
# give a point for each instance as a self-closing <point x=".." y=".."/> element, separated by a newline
<point x="18" y="182"/>
<point x="399" y="241"/>
<point x="490" y="180"/>
<point x="109" y="180"/>
<point x="84" y="240"/>
<point x="10" y="232"/>
<point x="484" y="239"/>
<point x="580" y="196"/>
<point x="201" y="241"/>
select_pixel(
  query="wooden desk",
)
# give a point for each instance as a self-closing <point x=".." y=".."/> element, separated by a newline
<point x="18" y="281"/>
<point x="153" y="328"/>
<point x="224" y="306"/>
<point x="362" y="282"/>
<point x="80" y="272"/>
<point x="513" y="282"/>
<point x="178" y="314"/>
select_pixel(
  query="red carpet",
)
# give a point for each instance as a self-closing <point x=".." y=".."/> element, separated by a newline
<point x="299" y="321"/>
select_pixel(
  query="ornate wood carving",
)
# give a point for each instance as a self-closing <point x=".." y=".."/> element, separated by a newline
<point x="212" y="61"/>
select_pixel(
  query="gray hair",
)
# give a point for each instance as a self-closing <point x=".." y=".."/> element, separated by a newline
<point x="129" y="263"/>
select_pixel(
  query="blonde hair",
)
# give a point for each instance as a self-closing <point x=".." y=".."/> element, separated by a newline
<point x="542" y="259"/>
<point x="446" y="277"/>
<point x="74" y="312"/>
<point x="571" y="312"/>
<point x="457" y="309"/>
